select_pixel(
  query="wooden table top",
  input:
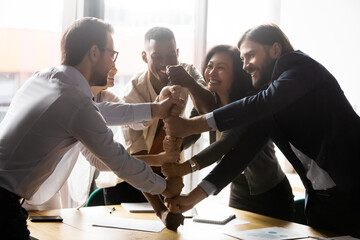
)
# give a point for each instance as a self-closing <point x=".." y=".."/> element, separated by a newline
<point x="77" y="224"/>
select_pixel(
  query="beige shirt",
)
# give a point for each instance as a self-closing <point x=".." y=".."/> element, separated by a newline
<point x="140" y="90"/>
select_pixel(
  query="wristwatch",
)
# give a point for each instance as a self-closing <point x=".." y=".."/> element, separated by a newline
<point x="192" y="165"/>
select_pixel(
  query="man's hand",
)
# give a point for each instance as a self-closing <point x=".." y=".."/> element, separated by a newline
<point x="177" y="75"/>
<point x="180" y="127"/>
<point x="170" y="91"/>
<point x="179" y="204"/>
<point x="177" y="109"/>
<point x="173" y="187"/>
<point x="171" y="144"/>
<point x="172" y="220"/>
<point x="184" y="203"/>
<point x="168" y="157"/>
<point x="166" y="108"/>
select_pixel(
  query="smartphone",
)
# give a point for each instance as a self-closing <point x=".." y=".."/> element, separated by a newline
<point x="45" y="219"/>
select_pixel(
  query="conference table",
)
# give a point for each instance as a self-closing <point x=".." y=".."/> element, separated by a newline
<point x="78" y="224"/>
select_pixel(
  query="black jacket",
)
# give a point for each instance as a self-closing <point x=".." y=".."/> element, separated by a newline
<point x="305" y="106"/>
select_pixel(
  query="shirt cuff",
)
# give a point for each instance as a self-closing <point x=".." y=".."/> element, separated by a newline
<point x="208" y="187"/>
<point x="211" y="120"/>
<point x="143" y="111"/>
<point x="159" y="186"/>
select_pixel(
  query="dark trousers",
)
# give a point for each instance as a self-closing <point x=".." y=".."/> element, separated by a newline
<point x="334" y="211"/>
<point x="13" y="217"/>
<point x="278" y="202"/>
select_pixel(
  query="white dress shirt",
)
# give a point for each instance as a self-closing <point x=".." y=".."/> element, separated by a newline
<point x="76" y="188"/>
<point x="49" y="114"/>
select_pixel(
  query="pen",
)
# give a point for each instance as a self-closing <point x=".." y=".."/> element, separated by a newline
<point x="112" y="210"/>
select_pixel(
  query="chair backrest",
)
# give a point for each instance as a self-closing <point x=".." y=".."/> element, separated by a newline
<point x="96" y="198"/>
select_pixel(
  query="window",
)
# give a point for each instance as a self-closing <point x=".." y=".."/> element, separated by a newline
<point x="131" y="20"/>
<point x="30" y="41"/>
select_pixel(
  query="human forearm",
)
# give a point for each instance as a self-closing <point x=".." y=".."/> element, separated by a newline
<point x="179" y="127"/>
<point x="203" y="99"/>
<point x="234" y="162"/>
<point x="184" y="203"/>
<point x="156" y="203"/>
<point x="178" y="170"/>
<point x="89" y="128"/>
<point x="216" y="150"/>
<point x="197" y="195"/>
<point x="160" y="159"/>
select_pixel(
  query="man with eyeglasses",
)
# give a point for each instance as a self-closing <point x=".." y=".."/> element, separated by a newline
<point x="54" y="110"/>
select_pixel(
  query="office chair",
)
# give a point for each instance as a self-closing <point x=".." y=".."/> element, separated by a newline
<point x="96" y="198"/>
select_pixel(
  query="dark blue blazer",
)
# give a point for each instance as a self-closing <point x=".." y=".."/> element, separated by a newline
<point x="305" y="106"/>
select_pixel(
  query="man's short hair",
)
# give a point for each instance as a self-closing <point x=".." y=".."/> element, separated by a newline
<point x="159" y="34"/>
<point x="80" y="36"/>
<point x="267" y="35"/>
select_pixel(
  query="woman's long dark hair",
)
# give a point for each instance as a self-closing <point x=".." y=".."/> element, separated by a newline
<point x="241" y="84"/>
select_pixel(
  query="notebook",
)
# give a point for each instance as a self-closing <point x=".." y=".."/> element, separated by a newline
<point x="214" y="218"/>
<point x="190" y="213"/>
<point x="143" y="207"/>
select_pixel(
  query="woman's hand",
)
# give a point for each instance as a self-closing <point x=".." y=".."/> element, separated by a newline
<point x="175" y="169"/>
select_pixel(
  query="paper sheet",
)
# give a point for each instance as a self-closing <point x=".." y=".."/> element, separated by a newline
<point x="131" y="224"/>
<point x="275" y="233"/>
<point x="342" y="238"/>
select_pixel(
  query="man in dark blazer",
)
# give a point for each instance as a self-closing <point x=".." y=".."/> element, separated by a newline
<point x="304" y="111"/>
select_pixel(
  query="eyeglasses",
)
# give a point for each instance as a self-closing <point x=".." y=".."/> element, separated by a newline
<point x="114" y="54"/>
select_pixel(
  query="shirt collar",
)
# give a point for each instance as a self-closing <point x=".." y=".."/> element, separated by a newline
<point x="76" y="79"/>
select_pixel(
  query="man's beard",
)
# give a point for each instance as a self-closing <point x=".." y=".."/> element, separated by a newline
<point x="98" y="79"/>
<point x="266" y="73"/>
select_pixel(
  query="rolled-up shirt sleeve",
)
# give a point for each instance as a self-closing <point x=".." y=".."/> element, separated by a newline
<point x="89" y="127"/>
